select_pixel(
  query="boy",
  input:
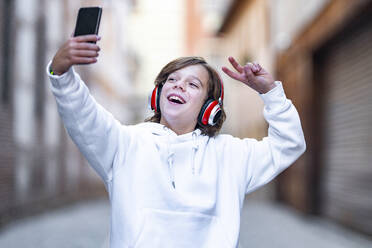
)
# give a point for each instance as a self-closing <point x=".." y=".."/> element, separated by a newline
<point x="173" y="181"/>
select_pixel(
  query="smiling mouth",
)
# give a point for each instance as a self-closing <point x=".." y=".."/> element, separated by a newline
<point x="176" y="99"/>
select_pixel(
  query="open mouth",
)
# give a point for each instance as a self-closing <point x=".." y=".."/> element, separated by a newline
<point x="176" y="99"/>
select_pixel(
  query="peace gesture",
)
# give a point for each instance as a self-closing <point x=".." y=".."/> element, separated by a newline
<point x="251" y="74"/>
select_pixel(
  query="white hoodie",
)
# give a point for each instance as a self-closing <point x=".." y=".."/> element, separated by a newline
<point x="169" y="190"/>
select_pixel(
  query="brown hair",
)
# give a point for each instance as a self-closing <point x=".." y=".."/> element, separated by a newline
<point x="214" y="89"/>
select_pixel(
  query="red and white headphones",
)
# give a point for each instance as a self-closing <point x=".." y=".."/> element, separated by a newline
<point x="209" y="114"/>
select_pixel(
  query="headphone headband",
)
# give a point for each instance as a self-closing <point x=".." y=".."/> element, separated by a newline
<point x="220" y="99"/>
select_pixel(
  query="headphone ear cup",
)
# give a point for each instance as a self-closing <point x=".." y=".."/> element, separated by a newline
<point x="155" y="99"/>
<point x="209" y="113"/>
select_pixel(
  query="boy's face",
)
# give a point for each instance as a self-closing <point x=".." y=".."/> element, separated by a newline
<point x="182" y="96"/>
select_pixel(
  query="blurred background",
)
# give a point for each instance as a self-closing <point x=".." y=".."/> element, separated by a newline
<point x="320" y="49"/>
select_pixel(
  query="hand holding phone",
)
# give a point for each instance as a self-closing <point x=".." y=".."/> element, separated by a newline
<point x="82" y="48"/>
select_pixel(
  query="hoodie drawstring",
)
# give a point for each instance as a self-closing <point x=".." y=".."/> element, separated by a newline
<point x="195" y="148"/>
<point x="171" y="169"/>
<point x="170" y="160"/>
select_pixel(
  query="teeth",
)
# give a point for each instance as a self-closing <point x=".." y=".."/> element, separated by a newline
<point x="176" y="98"/>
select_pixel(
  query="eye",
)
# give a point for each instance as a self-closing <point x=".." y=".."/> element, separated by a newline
<point x="194" y="85"/>
<point x="171" y="79"/>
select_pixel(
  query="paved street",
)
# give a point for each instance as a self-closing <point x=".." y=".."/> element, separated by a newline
<point x="275" y="226"/>
<point x="263" y="226"/>
<point x="77" y="226"/>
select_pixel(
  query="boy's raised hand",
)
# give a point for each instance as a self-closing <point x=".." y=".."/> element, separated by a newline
<point x="251" y="74"/>
<point x="77" y="50"/>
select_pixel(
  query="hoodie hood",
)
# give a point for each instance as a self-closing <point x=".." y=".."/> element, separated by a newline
<point x="161" y="130"/>
<point x="172" y="146"/>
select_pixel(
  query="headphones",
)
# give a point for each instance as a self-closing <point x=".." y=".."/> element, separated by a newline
<point x="209" y="113"/>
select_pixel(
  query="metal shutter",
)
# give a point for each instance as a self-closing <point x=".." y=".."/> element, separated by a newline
<point x="346" y="127"/>
<point x="7" y="146"/>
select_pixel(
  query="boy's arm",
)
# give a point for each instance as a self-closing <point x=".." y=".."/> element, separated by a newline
<point x="92" y="128"/>
<point x="285" y="142"/>
<point x="283" y="145"/>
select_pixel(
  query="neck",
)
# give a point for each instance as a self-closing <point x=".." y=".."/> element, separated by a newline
<point x="178" y="127"/>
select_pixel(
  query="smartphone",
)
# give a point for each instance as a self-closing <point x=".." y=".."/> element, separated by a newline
<point x="88" y="21"/>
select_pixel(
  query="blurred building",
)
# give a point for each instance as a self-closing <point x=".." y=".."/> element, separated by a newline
<point x="327" y="69"/>
<point x="322" y="52"/>
<point x="40" y="167"/>
<point x="7" y="143"/>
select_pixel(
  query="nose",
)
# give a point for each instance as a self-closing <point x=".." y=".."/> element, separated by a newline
<point x="180" y="84"/>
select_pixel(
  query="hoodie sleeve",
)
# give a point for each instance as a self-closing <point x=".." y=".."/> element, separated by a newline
<point x="284" y="144"/>
<point x="94" y="130"/>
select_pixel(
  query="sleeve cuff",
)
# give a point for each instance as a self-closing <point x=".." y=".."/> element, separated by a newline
<point x="274" y="97"/>
<point x="48" y="71"/>
<point x="64" y="78"/>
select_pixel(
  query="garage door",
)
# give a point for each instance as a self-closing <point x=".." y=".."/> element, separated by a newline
<point x="346" y="123"/>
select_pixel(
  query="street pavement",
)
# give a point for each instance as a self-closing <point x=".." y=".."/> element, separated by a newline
<point x="263" y="225"/>
<point x="266" y="225"/>
<point x="80" y="225"/>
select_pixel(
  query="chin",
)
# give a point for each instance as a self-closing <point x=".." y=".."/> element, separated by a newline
<point x="172" y="116"/>
<point x="172" y="112"/>
<point x="177" y="117"/>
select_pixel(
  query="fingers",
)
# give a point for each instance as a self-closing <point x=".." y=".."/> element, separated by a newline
<point x="256" y="67"/>
<point x="84" y="60"/>
<point x="234" y="75"/>
<point x="83" y="56"/>
<point x="249" y="71"/>
<point x="235" y="64"/>
<point x="87" y="38"/>
<point x="80" y="51"/>
<point x="84" y="42"/>
<point x="84" y="53"/>
<point x="86" y="46"/>
<point x="259" y="68"/>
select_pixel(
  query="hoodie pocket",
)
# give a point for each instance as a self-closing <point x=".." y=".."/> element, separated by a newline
<point x="170" y="229"/>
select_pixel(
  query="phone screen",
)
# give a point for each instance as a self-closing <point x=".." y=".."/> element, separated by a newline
<point x="88" y="21"/>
